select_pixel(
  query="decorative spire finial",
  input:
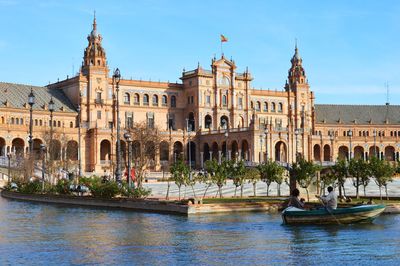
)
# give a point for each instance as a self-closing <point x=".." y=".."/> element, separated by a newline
<point x="94" y="21"/>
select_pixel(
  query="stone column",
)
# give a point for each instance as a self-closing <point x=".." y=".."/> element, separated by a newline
<point x="239" y="154"/>
<point x="229" y="154"/>
<point x="201" y="159"/>
<point x="211" y="153"/>
<point x="219" y="156"/>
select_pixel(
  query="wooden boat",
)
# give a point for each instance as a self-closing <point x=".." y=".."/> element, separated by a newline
<point x="357" y="214"/>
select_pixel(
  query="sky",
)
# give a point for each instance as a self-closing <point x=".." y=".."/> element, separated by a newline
<point x="350" y="49"/>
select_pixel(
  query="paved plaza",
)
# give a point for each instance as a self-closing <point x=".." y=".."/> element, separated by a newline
<point x="159" y="189"/>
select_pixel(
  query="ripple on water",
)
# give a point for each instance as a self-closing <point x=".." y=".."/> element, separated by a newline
<point x="49" y="234"/>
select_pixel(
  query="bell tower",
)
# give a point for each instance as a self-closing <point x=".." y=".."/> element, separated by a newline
<point x="94" y="54"/>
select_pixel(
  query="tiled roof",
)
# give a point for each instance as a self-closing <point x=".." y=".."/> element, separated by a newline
<point x="357" y="114"/>
<point x="16" y="96"/>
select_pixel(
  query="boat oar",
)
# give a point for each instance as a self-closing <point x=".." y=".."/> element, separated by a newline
<point x="327" y="209"/>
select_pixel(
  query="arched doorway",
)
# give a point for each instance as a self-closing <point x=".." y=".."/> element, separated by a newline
<point x="224" y="121"/>
<point x="72" y="150"/>
<point x="164" y="151"/>
<point x="317" y="153"/>
<point x="245" y="150"/>
<point x="373" y="151"/>
<point x="206" y="152"/>
<point x="215" y="151"/>
<point x="389" y="153"/>
<point x="207" y="122"/>
<point x="2" y="147"/>
<point x="280" y="152"/>
<point x="55" y="150"/>
<point x="191" y="152"/>
<point x="327" y="153"/>
<point x="178" y="150"/>
<point x="191" y="122"/>
<point x="105" y="151"/>
<point x="234" y="152"/>
<point x="343" y="153"/>
<point x="36" y="148"/>
<point x="18" y="147"/>
<point x="359" y="153"/>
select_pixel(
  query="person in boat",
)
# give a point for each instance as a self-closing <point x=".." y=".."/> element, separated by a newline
<point x="294" y="200"/>
<point x="330" y="200"/>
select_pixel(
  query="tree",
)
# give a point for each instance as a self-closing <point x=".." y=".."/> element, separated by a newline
<point x="382" y="172"/>
<point x="180" y="174"/>
<point x="271" y="171"/>
<point x="238" y="175"/>
<point x="327" y="178"/>
<point x="219" y="173"/>
<point x="253" y="176"/>
<point x="304" y="171"/>
<point x="359" y="170"/>
<point x="144" y="147"/>
<point x="340" y="170"/>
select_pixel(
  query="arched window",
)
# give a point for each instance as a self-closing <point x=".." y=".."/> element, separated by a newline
<point x="273" y="107"/>
<point x="207" y="121"/>
<point x="224" y="122"/>
<point x="145" y="99"/>
<point x="265" y="107"/>
<point x="155" y="100"/>
<point x="258" y="106"/>
<point x="164" y="100"/>
<point x="252" y="105"/>
<point x="127" y="98"/>
<point x="21" y="121"/>
<point x="36" y="122"/>
<point x="224" y="100"/>
<point x="173" y="101"/>
<point x="280" y="107"/>
<point x="59" y="123"/>
<point x="136" y="99"/>
<point x="40" y="122"/>
<point x="71" y="124"/>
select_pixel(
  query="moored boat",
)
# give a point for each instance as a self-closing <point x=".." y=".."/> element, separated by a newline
<point x="357" y="214"/>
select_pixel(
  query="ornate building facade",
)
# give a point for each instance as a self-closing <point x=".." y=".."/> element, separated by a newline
<point x="212" y="113"/>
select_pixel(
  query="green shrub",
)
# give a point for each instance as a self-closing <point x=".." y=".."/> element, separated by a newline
<point x="63" y="187"/>
<point x="30" y="187"/>
<point x="105" y="190"/>
<point x="136" y="193"/>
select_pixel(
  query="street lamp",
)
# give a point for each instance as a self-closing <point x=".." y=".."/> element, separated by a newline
<point x="116" y="80"/>
<point x="374" y="134"/>
<point x="226" y="143"/>
<point x="350" y="134"/>
<point x="261" y="145"/>
<point x="31" y="101"/>
<point x="266" y="141"/>
<point x="43" y="153"/>
<point x="296" y="133"/>
<point x="51" y="109"/>
<point x="128" y="138"/>
<point x="79" y="137"/>
<point x="9" y="166"/>
<point x="188" y="129"/>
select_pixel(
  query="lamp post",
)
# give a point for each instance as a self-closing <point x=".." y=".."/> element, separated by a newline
<point x="350" y="134"/>
<point x="128" y="138"/>
<point x="374" y="134"/>
<point x="43" y="153"/>
<point x="261" y="145"/>
<point x="116" y="80"/>
<point x="31" y="102"/>
<point x="9" y="167"/>
<point x="188" y="129"/>
<point x="266" y="142"/>
<point x="331" y="137"/>
<point x="51" y="109"/>
<point x="226" y="143"/>
<point x="296" y="133"/>
<point x="79" y="137"/>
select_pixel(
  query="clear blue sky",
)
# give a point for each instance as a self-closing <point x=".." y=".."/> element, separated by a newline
<point x="349" y="48"/>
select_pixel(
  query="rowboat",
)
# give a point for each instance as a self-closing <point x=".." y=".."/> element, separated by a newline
<point x="357" y="214"/>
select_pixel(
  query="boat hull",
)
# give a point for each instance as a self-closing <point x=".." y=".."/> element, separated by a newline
<point x="358" y="214"/>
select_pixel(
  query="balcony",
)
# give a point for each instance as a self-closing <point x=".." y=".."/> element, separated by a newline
<point x="99" y="101"/>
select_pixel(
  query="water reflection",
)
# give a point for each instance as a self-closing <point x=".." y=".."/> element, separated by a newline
<point x="49" y="234"/>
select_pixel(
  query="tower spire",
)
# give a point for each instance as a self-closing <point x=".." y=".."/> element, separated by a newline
<point x="94" y="21"/>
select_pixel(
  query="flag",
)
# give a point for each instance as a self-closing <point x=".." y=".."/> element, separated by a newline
<point x="223" y="38"/>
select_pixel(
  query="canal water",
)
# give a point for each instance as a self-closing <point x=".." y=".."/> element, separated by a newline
<point x="40" y="234"/>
